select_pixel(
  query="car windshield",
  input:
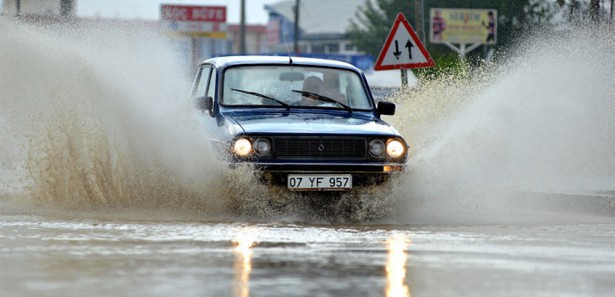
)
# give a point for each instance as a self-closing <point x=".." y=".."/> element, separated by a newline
<point x="294" y="86"/>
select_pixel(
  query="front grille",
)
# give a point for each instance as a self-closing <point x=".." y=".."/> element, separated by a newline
<point x="320" y="148"/>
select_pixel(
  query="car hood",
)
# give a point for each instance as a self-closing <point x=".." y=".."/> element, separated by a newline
<point x="310" y="123"/>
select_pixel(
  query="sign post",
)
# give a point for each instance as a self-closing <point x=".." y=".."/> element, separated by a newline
<point x="403" y="50"/>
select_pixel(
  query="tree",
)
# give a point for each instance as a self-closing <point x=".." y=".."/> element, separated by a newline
<point x="373" y="22"/>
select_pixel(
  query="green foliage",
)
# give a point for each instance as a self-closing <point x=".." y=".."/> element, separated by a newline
<point x="373" y="22"/>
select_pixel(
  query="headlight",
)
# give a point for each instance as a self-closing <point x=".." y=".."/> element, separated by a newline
<point x="242" y="147"/>
<point x="262" y="147"/>
<point x="376" y="148"/>
<point x="395" y="149"/>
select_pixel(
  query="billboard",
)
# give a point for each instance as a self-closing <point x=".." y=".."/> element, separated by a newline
<point x="463" y="26"/>
<point x="202" y="21"/>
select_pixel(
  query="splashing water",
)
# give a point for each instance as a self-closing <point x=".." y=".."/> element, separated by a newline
<point x="543" y="122"/>
<point x="96" y="117"/>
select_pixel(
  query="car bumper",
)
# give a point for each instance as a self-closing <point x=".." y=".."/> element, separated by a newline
<point x="362" y="174"/>
<point x="360" y="168"/>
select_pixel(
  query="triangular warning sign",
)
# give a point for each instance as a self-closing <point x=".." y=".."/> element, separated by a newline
<point x="403" y="49"/>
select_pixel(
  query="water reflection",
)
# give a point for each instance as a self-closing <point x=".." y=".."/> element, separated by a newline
<point x="396" y="266"/>
<point x="244" y="242"/>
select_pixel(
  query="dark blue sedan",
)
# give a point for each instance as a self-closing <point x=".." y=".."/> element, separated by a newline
<point x="309" y="124"/>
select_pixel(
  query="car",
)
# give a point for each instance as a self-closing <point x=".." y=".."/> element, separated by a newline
<point x="303" y="123"/>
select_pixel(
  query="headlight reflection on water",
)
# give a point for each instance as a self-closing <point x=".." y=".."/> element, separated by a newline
<point x="396" y="266"/>
<point x="397" y="245"/>
<point x="244" y="242"/>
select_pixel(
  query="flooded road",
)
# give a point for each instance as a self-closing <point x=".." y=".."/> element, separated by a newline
<point x="59" y="256"/>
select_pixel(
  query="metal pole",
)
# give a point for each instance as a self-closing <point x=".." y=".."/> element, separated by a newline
<point x="17" y="7"/>
<point x="404" y="80"/>
<point x="242" y="28"/>
<point x="424" y="36"/>
<point x="296" y="28"/>
<point x="194" y="51"/>
<point x="420" y="19"/>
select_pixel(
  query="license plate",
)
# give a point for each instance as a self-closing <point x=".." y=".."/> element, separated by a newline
<point x="319" y="182"/>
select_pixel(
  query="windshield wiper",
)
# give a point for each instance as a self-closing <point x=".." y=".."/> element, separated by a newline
<point x="323" y="99"/>
<point x="286" y="105"/>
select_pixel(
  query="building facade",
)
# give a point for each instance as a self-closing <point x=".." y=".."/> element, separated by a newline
<point x="323" y="26"/>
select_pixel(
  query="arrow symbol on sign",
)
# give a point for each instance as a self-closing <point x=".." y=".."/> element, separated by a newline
<point x="409" y="45"/>
<point x="396" y="52"/>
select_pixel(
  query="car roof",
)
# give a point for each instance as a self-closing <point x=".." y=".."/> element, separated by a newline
<point x="278" y="60"/>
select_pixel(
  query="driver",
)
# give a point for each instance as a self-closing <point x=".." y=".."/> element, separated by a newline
<point x="312" y="84"/>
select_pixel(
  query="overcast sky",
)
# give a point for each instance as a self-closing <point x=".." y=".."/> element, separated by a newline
<point x="150" y="9"/>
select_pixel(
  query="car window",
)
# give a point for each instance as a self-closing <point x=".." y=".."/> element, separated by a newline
<point x="201" y="81"/>
<point x="211" y="86"/>
<point x="301" y="86"/>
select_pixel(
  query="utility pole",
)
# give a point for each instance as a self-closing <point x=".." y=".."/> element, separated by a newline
<point x="242" y="28"/>
<point x="296" y="28"/>
<point x="419" y="18"/>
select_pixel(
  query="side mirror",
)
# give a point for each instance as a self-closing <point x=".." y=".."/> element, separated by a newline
<point x="386" y="108"/>
<point x="203" y="103"/>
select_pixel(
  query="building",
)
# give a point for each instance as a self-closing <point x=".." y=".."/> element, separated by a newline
<point x="323" y="26"/>
<point x="256" y="39"/>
